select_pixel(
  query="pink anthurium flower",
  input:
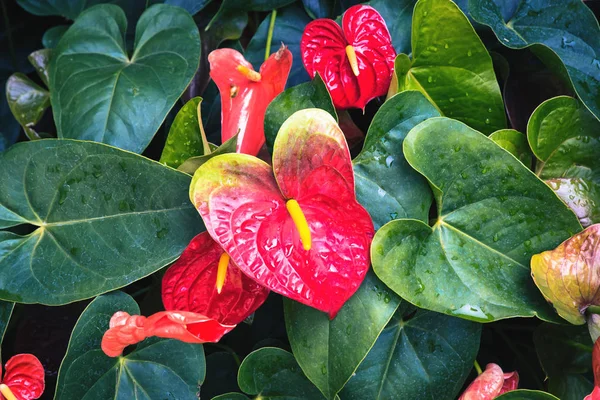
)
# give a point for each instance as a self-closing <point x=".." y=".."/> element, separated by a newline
<point x="23" y="379"/>
<point x="357" y="62"/>
<point x="490" y="384"/>
<point x="296" y="228"/>
<point x="205" y="295"/>
<point x="245" y="94"/>
<point x="595" y="395"/>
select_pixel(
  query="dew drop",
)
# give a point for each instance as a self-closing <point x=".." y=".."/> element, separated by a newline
<point x="451" y="99"/>
<point x="430" y="79"/>
<point x="469" y="53"/>
<point x="487" y="121"/>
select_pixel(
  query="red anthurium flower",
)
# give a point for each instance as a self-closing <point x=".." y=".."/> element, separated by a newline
<point x="23" y="379"/>
<point x="205" y="295"/>
<point x="357" y="62"/>
<point x="296" y="228"/>
<point x="245" y="94"/>
<point x="490" y="384"/>
<point x="595" y="395"/>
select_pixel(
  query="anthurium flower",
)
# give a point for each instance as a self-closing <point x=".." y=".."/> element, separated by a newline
<point x="357" y="62"/>
<point x="23" y="378"/>
<point x="595" y="395"/>
<point x="295" y="228"/>
<point x="569" y="276"/>
<point x="490" y="384"/>
<point x="246" y="93"/>
<point x="205" y="296"/>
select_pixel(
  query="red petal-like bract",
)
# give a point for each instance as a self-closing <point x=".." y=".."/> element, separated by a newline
<point x="490" y="384"/>
<point x="186" y="326"/>
<point x="244" y="101"/>
<point x="190" y="285"/>
<point x="595" y="395"/>
<point x="243" y="205"/>
<point x="323" y="49"/>
<point x="24" y="376"/>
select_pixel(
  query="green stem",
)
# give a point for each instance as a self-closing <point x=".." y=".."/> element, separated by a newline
<point x="477" y="367"/>
<point x="593" y="310"/>
<point x="270" y="34"/>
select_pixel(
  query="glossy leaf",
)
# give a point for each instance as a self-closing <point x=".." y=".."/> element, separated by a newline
<point x="185" y="136"/>
<point x="398" y="18"/>
<point x="319" y="8"/>
<point x="386" y="184"/>
<point x="24" y="375"/>
<point x="515" y="143"/>
<point x="70" y="9"/>
<point x="101" y="93"/>
<point x="104" y="219"/>
<point x="87" y="373"/>
<point x="288" y="28"/>
<point x="524" y="394"/>
<point x="27" y="102"/>
<point x="53" y="35"/>
<point x="493" y="215"/>
<point x="582" y="196"/>
<point x="244" y="206"/>
<point x="565" y="35"/>
<point x="451" y="67"/>
<point x="190" y="165"/>
<point x="40" y="60"/>
<point x="311" y="94"/>
<point x="330" y="351"/>
<point x="191" y="6"/>
<point x="568" y="275"/>
<point x="356" y="60"/>
<point x="565" y="355"/>
<point x="426" y="356"/>
<point x="272" y="373"/>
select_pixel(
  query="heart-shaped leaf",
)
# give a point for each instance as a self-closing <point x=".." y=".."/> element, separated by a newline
<point x="330" y="351"/>
<point x="101" y="93"/>
<point x="515" y="143"/>
<point x="104" y="219"/>
<point x="524" y="394"/>
<point x="493" y="215"/>
<point x="398" y="18"/>
<point x="53" y="35"/>
<point x="313" y="94"/>
<point x="27" y="101"/>
<point x="565" y="353"/>
<point x="190" y="165"/>
<point x="281" y="225"/>
<point x="564" y="34"/>
<point x="451" y="67"/>
<point x="385" y="184"/>
<point x="426" y="356"/>
<point x="155" y="368"/>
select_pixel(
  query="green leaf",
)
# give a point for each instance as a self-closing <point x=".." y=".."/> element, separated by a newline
<point x="565" y="353"/>
<point x="524" y="394"/>
<point x="192" y="164"/>
<point x="100" y="93"/>
<point x="272" y="373"/>
<point x="53" y="35"/>
<point x="289" y="25"/>
<point x="191" y="6"/>
<point x="564" y="34"/>
<point x="104" y="219"/>
<point x="451" y="67"/>
<point x="185" y="137"/>
<point x="581" y="195"/>
<point x="515" y="143"/>
<point x="71" y="9"/>
<point x="427" y="356"/>
<point x="398" y="18"/>
<point x="155" y="368"/>
<point x="329" y="351"/>
<point x="493" y="215"/>
<point x="385" y="184"/>
<point x="231" y="396"/>
<point x="40" y="60"/>
<point x="319" y="8"/>
<point x="27" y="102"/>
<point x="6" y="309"/>
<point x="313" y="94"/>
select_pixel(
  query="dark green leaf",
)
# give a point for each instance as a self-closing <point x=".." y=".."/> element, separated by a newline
<point x="27" y="102"/>
<point x="564" y="34"/>
<point x="493" y="215"/>
<point x="53" y="35"/>
<point x="319" y="8"/>
<point x="191" y="6"/>
<point x="192" y="164"/>
<point x="524" y="394"/>
<point x="515" y="143"/>
<point x="398" y="18"/>
<point x="272" y="373"/>
<point x="231" y="396"/>
<point x="72" y="9"/>
<point x="313" y="94"/>
<point x="451" y="67"/>
<point x="427" y="356"/>
<point x="289" y="25"/>
<point x="329" y="351"/>
<point x="185" y="137"/>
<point x="385" y="184"/>
<point x="100" y="93"/>
<point x="104" y="219"/>
<point x="156" y="368"/>
<point x="565" y="353"/>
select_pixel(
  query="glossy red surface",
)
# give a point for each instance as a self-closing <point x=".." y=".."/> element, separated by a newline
<point x="490" y="384"/>
<point x="24" y="376"/>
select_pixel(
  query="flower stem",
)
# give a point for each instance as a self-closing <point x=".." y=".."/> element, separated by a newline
<point x="593" y="310"/>
<point x="477" y="367"/>
<point x="270" y="34"/>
